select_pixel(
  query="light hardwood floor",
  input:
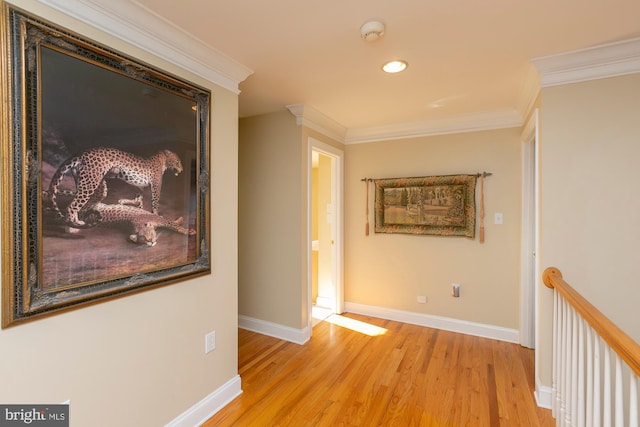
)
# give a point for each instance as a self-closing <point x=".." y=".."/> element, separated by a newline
<point x="407" y="376"/>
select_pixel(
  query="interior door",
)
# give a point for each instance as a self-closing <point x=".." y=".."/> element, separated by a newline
<point x="325" y="227"/>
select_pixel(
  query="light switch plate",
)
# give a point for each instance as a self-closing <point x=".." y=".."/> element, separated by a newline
<point x="210" y="342"/>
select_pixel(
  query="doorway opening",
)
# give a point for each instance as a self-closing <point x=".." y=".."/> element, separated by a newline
<point x="325" y="287"/>
<point x="530" y="226"/>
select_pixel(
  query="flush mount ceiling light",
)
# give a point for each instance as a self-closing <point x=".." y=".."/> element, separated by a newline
<point x="372" y="30"/>
<point x="395" y="66"/>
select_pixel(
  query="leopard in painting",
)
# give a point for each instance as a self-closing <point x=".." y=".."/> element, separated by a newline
<point x="90" y="168"/>
<point x="144" y="223"/>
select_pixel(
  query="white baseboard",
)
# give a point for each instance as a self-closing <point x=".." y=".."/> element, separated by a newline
<point x="437" y="322"/>
<point x="325" y="302"/>
<point x="207" y="407"/>
<point x="543" y="396"/>
<point x="297" y="336"/>
<point x="301" y="336"/>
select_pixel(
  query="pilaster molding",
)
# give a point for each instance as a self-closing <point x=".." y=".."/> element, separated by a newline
<point x="596" y="62"/>
<point x="133" y="23"/>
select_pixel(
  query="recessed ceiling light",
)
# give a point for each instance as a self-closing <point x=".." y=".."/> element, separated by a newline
<point x="395" y="66"/>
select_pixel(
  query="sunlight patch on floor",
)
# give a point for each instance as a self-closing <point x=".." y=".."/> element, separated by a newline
<point x="356" y="325"/>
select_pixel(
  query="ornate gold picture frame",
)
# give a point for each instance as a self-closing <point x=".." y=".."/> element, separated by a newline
<point x="105" y="170"/>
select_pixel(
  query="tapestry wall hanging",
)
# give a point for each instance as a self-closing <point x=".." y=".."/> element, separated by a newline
<point x="433" y="205"/>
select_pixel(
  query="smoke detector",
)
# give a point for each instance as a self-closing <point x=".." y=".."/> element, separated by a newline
<point x="372" y="30"/>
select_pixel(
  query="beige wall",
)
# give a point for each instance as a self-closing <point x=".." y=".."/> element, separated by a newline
<point x="272" y="265"/>
<point x="139" y="360"/>
<point x="273" y="205"/>
<point x="589" y="207"/>
<point x="391" y="270"/>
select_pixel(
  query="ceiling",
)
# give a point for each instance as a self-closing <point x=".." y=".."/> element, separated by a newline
<point x="465" y="56"/>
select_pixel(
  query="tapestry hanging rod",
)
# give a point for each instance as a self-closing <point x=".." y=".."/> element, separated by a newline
<point x="479" y="174"/>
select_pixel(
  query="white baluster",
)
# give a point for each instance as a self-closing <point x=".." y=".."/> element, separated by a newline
<point x="581" y="374"/>
<point x="597" y="401"/>
<point x="561" y="353"/>
<point x="556" y="354"/>
<point x="574" y="368"/>
<point x="607" y="387"/>
<point x="633" y="399"/>
<point x="589" y="375"/>
<point x="565" y="364"/>
<point x="619" y="397"/>
<point x="566" y="393"/>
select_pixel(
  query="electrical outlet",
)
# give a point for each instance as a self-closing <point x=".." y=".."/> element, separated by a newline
<point x="422" y="299"/>
<point x="210" y="342"/>
<point x="498" y="218"/>
<point x="455" y="290"/>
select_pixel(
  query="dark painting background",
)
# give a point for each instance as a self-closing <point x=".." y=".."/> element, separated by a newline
<point x="84" y="105"/>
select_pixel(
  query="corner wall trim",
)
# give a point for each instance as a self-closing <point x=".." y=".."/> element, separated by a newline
<point x="297" y="336"/>
<point x="207" y="407"/>
<point x="437" y="322"/>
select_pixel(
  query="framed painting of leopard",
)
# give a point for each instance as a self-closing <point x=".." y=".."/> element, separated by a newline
<point x="105" y="169"/>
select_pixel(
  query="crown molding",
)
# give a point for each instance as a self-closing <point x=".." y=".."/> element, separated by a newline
<point x="596" y="62"/>
<point x="133" y="23"/>
<point x="487" y="120"/>
<point x="313" y="119"/>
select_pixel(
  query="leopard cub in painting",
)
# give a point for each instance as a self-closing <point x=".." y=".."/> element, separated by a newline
<point x="90" y="168"/>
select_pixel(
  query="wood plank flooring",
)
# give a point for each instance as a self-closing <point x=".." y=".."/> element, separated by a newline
<point x="408" y="376"/>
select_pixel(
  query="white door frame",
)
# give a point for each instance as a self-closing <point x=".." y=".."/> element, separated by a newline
<point x="337" y="177"/>
<point x="530" y="270"/>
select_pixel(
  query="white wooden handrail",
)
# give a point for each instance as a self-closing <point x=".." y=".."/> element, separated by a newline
<point x="596" y="366"/>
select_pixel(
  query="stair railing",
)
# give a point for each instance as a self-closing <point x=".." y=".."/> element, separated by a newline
<point x="596" y="365"/>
